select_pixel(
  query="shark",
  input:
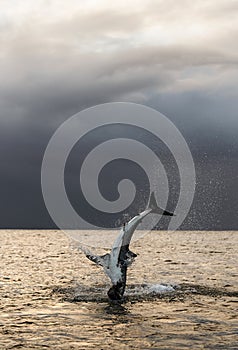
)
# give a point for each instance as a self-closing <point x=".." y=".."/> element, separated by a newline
<point x="116" y="263"/>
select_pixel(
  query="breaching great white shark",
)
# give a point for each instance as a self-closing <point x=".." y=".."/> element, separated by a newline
<point x="116" y="262"/>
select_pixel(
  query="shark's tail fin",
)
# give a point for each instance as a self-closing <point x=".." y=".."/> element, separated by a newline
<point x="155" y="208"/>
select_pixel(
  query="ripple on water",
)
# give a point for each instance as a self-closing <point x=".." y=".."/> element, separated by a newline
<point x="136" y="292"/>
<point x="198" y="314"/>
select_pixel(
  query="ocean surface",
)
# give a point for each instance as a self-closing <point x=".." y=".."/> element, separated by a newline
<point x="182" y="293"/>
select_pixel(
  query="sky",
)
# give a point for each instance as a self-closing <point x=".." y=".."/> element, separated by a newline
<point x="179" y="57"/>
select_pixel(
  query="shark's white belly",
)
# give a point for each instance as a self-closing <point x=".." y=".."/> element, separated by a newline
<point x="113" y="269"/>
<point x="114" y="273"/>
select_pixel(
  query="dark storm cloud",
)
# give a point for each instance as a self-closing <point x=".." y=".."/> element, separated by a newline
<point x="59" y="65"/>
<point x="38" y="90"/>
<point x="180" y="58"/>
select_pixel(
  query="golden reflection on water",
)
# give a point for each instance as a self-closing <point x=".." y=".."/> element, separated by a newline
<point x="202" y="314"/>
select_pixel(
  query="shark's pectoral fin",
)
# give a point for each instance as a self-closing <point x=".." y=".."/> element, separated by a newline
<point x="94" y="259"/>
<point x="130" y="257"/>
<point x="105" y="260"/>
<point x="99" y="260"/>
<point x="131" y="254"/>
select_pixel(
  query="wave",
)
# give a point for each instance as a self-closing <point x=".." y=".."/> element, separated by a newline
<point x="140" y="292"/>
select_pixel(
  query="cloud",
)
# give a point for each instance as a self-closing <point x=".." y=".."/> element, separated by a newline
<point x="59" y="57"/>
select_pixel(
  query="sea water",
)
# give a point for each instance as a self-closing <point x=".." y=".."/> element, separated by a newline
<point x="182" y="293"/>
